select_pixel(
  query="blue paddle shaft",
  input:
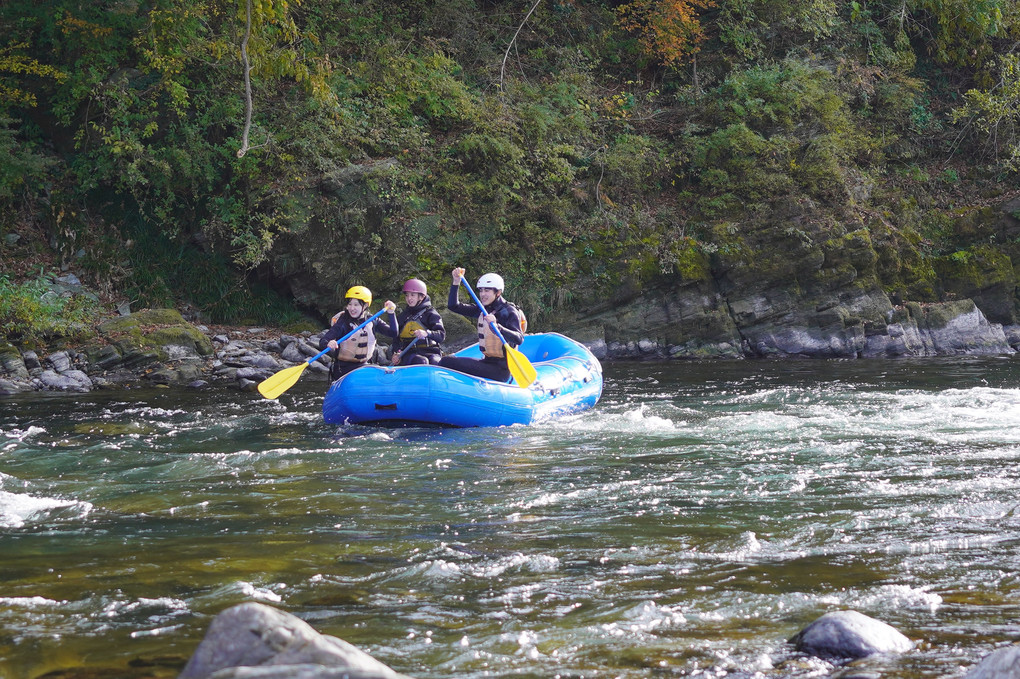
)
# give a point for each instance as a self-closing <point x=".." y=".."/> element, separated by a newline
<point x="346" y="337"/>
<point x="482" y="308"/>
<point x="413" y="342"/>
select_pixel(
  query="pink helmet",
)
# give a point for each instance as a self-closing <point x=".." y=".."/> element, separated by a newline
<point x="415" y="285"/>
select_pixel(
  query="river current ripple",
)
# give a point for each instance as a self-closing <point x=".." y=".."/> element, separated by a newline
<point x="690" y="524"/>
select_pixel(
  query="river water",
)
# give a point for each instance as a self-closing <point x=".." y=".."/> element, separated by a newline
<point x="691" y="523"/>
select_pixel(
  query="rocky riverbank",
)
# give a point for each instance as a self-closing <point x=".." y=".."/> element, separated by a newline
<point x="159" y="347"/>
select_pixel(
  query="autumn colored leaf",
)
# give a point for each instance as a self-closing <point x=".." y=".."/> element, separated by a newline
<point x="668" y="30"/>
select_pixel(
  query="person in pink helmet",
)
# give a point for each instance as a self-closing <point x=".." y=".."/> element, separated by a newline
<point x="421" y="328"/>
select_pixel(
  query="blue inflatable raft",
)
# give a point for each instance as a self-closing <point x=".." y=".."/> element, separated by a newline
<point x="569" y="380"/>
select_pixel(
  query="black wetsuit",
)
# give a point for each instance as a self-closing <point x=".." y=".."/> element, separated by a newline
<point x="509" y="324"/>
<point x="344" y="324"/>
<point x="425" y="350"/>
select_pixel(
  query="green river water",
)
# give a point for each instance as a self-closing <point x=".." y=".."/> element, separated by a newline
<point x="690" y="524"/>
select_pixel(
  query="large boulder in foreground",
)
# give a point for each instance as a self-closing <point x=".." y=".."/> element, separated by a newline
<point x="1003" y="663"/>
<point x="849" y="634"/>
<point x="253" y="640"/>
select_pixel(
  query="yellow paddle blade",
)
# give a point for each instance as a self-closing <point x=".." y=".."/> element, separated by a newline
<point x="520" y="367"/>
<point x="272" y="387"/>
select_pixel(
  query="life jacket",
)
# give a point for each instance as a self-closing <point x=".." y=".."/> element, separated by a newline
<point x="359" y="347"/>
<point x="412" y="323"/>
<point x="488" y="341"/>
<point x="521" y="317"/>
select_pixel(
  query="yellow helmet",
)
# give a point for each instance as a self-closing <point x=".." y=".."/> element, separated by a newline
<point x="360" y="292"/>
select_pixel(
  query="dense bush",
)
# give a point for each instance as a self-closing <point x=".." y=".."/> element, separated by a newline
<point x="555" y="148"/>
<point x="36" y="310"/>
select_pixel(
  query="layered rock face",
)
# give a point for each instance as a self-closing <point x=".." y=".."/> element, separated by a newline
<point x="782" y="292"/>
<point x="835" y="281"/>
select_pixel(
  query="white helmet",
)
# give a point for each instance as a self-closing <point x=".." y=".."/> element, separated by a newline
<point x="491" y="280"/>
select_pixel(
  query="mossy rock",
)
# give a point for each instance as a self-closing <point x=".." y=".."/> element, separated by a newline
<point x="986" y="275"/>
<point x="180" y="335"/>
<point x="103" y="356"/>
<point x="133" y="355"/>
<point x="712" y="327"/>
<point x="767" y="253"/>
<point x="148" y="317"/>
<point x="154" y="329"/>
<point x="691" y="264"/>
<point x="975" y="269"/>
<point x="8" y="351"/>
<point x="854" y="249"/>
<point x="11" y="362"/>
<point x="976" y="225"/>
<point x="939" y="316"/>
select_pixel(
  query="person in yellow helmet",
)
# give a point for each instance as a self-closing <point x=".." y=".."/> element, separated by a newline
<point x="359" y="348"/>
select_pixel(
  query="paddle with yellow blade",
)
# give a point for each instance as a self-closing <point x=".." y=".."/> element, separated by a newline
<point x="272" y="387"/>
<point x="520" y="367"/>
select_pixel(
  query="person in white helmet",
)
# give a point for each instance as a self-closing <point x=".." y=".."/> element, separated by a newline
<point x="496" y="310"/>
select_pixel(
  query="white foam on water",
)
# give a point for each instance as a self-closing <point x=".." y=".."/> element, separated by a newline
<point x="648" y="615"/>
<point x="642" y="619"/>
<point x="945" y="416"/>
<point x="22" y="434"/>
<point x="607" y="492"/>
<point x="259" y="593"/>
<point x="438" y="569"/>
<point x="526" y="640"/>
<point x="896" y="597"/>
<point x="737" y="548"/>
<point x="18" y="509"/>
<point x="296" y="417"/>
<point x="982" y="510"/>
<point x="638" y="420"/>
<point x="548" y="499"/>
<point x="159" y="631"/>
<point x="156" y="610"/>
<point x="283" y="451"/>
<point x="443" y="569"/>
<point x="146" y="412"/>
<point x="537" y="563"/>
<point x="29" y="602"/>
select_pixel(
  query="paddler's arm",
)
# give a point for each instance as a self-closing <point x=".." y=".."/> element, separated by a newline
<point x="468" y="311"/>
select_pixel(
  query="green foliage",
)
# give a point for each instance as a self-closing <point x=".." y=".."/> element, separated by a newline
<point x="637" y="161"/>
<point x="781" y="128"/>
<point x="22" y="167"/>
<point x="15" y="68"/>
<point x="33" y="311"/>
<point x="412" y="87"/>
<point x="388" y="131"/>
<point x="962" y="29"/>
<point x="996" y="111"/>
<point x="755" y="29"/>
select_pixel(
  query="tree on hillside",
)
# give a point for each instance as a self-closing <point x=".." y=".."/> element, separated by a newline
<point x="996" y="111"/>
<point x="19" y="164"/>
<point x="669" y="31"/>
